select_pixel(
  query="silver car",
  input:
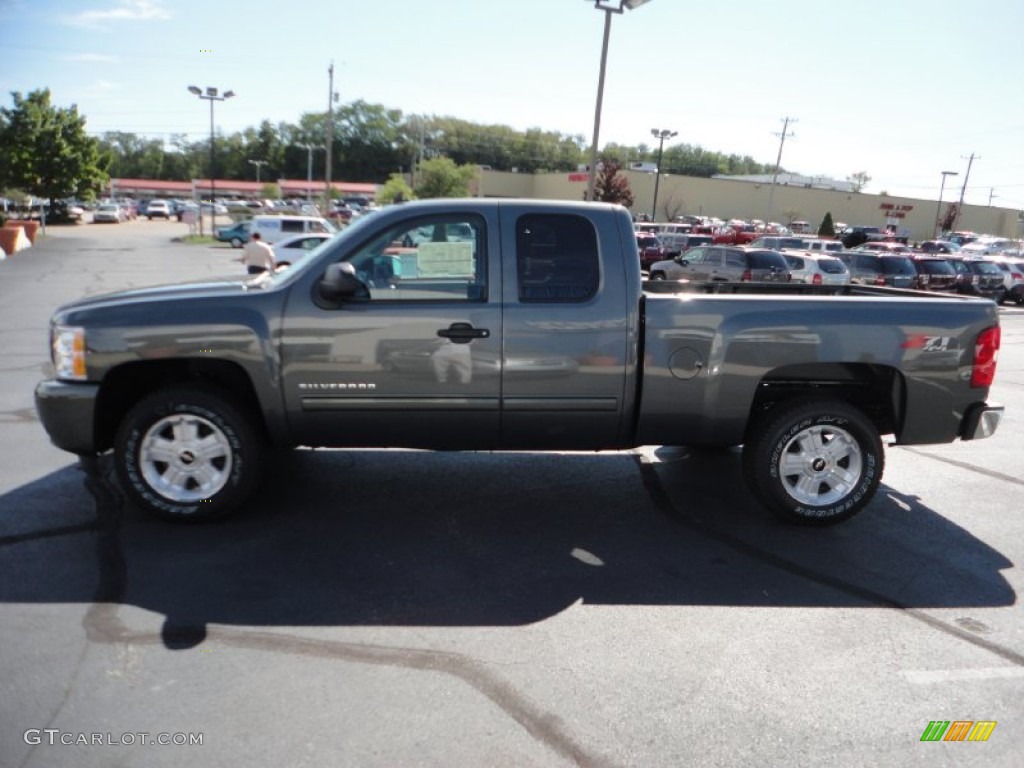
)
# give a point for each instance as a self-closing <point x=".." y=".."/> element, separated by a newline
<point x="108" y="212"/>
<point x="816" y="269"/>
<point x="724" y="263"/>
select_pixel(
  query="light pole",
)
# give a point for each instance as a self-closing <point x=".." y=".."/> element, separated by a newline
<point x="258" y="164"/>
<point x="309" y="169"/>
<point x="211" y="96"/>
<point x="609" y="7"/>
<point x="660" y="135"/>
<point x="938" y="207"/>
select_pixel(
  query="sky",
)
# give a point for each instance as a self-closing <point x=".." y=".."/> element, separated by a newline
<point x="900" y="89"/>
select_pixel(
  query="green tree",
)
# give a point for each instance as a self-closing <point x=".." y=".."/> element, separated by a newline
<point x="394" y="190"/>
<point x="827" y="227"/>
<point x="45" y="151"/>
<point x="612" y="187"/>
<point x="441" y="177"/>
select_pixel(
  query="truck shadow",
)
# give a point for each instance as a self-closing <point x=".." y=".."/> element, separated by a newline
<point x="468" y="539"/>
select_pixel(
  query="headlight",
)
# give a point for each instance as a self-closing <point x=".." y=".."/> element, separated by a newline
<point x="69" y="352"/>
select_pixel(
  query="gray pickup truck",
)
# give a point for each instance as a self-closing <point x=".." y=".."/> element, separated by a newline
<point x="510" y="325"/>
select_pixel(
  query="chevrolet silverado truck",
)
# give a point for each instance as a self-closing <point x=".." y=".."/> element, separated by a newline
<point x="509" y="325"/>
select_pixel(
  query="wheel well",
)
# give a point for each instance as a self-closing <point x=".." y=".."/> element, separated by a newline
<point x="875" y="390"/>
<point x="127" y="384"/>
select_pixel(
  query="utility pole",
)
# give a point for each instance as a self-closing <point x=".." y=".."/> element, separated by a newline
<point x="660" y="134"/>
<point x="991" y="194"/>
<point x="331" y="96"/>
<point x="938" y="208"/>
<point x="963" y="189"/>
<point x="778" y="162"/>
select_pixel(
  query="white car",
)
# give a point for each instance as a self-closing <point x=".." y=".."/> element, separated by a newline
<point x="217" y="208"/>
<point x="291" y="249"/>
<point x="109" y="212"/>
<point x="158" y="208"/>
<point x="816" y="269"/>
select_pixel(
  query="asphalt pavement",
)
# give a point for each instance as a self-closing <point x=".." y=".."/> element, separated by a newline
<point x="386" y="608"/>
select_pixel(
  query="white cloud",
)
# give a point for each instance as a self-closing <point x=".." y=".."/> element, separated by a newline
<point x="101" y="87"/>
<point x="125" y="10"/>
<point x="101" y="57"/>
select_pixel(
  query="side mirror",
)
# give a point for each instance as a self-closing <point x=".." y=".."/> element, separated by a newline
<point x="340" y="283"/>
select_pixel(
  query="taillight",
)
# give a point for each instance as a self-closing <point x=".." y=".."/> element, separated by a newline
<point x="1016" y="276"/>
<point x="747" y="276"/>
<point x="879" y="280"/>
<point x="986" y="352"/>
<point x="816" y="279"/>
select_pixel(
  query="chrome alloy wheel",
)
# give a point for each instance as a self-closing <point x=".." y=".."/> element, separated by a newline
<point x="820" y="465"/>
<point x="185" y="458"/>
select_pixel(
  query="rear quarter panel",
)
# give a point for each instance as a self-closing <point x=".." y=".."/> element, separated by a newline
<point x="705" y="356"/>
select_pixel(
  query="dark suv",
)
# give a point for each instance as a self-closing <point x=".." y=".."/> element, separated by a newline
<point x="725" y="263"/>
<point x="934" y="274"/>
<point x="867" y="268"/>
<point x="979" y="278"/>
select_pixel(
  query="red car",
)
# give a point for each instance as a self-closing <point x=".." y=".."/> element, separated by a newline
<point x="735" y="234"/>
<point x="651" y="249"/>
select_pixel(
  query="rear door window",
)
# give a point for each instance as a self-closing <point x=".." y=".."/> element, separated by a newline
<point x="556" y="258"/>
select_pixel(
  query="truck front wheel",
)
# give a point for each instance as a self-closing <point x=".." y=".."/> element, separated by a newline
<point x="814" y="463"/>
<point x="186" y="454"/>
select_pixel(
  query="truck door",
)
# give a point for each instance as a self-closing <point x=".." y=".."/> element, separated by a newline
<point x="569" y="326"/>
<point x="416" y="362"/>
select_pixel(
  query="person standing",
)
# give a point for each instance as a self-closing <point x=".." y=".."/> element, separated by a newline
<point x="257" y="256"/>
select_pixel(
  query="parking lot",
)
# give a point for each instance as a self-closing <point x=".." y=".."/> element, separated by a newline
<point x="403" y="607"/>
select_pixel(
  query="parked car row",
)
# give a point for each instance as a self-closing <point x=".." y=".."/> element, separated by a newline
<point x="895" y="265"/>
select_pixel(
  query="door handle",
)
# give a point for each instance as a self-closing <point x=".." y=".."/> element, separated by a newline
<point x="463" y="333"/>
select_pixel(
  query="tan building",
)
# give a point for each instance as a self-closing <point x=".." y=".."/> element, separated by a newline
<point x="727" y="199"/>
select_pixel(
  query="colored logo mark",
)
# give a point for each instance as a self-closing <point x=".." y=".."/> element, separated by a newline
<point x="958" y="730"/>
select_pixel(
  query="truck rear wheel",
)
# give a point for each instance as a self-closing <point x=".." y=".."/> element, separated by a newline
<point x="186" y="454"/>
<point x="814" y="463"/>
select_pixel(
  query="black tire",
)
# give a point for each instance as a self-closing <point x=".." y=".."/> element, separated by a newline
<point x="236" y="242"/>
<point x="833" y="447"/>
<point x="182" y="423"/>
<point x="657" y="276"/>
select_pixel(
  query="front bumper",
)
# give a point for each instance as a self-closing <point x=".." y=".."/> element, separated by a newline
<point x="981" y="420"/>
<point x="68" y="413"/>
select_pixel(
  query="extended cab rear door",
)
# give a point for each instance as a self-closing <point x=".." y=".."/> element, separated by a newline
<point x="571" y="323"/>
